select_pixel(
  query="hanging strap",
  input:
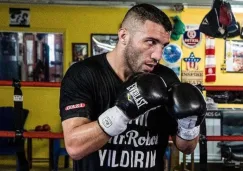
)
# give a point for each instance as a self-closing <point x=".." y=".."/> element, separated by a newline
<point x="18" y="108"/>
<point x="19" y="120"/>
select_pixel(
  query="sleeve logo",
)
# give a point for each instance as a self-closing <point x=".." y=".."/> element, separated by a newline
<point x="75" y="106"/>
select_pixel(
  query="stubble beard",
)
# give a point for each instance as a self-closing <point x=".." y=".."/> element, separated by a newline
<point x="131" y="55"/>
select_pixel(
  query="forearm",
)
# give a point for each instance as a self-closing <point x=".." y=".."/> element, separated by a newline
<point x="82" y="140"/>
<point x="185" y="146"/>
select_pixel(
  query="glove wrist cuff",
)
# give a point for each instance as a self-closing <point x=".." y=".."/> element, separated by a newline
<point x="113" y="121"/>
<point x="188" y="134"/>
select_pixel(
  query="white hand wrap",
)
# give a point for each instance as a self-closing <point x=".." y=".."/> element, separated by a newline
<point x="113" y="121"/>
<point x="188" y="134"/>
<point x="187" y="128"/>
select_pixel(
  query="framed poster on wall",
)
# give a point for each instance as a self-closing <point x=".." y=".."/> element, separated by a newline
<point x="102" y="43"/>
<point x="234" y="56"/>
<point x="79" y="51"/>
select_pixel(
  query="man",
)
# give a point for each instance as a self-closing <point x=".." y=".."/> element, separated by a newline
<point x="115" y="107"/>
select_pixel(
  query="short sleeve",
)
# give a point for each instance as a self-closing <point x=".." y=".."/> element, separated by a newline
<point x="75" y="93"/>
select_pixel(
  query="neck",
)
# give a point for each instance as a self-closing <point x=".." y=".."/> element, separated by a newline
<point x="117" y="61"/>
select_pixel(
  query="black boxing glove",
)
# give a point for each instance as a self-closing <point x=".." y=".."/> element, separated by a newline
<point x="141" y="93"/>
<point x="188" y="106"/>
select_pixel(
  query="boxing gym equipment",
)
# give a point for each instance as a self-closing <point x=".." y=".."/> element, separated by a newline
<point x="19" y="120"/>
<point x="140" y="93"/>
<point x="220" y="22"/>
<point x="54" y="144"/>
<point x="232" y="121"/>
<point x="9" y="67"/>
<point x="13" y="136"/>
<point x="13" y="118"/>
<point x="178" y="28"/>
<point x="188" y="106"/>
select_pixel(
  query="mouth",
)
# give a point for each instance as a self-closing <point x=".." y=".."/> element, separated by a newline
<point x="149" y="67"/>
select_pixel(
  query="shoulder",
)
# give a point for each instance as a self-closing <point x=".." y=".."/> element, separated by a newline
<point x="166" y="73"/>
<point x="86" y="66"/>
<point x="84" y="71"/>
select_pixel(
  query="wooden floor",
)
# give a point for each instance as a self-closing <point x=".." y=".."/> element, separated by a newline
<point x="8" y="163"/>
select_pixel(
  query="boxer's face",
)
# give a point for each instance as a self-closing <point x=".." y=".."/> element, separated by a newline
<point x="145" y="46"/>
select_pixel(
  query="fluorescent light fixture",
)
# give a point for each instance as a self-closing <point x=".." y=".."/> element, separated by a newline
<point x="237" y="8"/>
<point x="74" y="2"/>
<point x="103" y="45"/>
<point x="110" y="3"/>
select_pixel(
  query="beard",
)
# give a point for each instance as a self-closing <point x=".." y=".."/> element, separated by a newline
<point x="131" y="55"/>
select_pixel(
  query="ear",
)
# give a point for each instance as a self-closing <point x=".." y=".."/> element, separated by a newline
<point x="123" y="36"/>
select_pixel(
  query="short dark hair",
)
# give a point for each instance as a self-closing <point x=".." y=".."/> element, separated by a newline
<point x="143" y="12"/>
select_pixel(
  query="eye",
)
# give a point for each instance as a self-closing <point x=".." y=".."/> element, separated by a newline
<point x="151" y="42"/>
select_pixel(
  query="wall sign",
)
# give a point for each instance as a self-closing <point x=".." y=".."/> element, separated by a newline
<point x="172" y="55"/>
<point x="19" y="17"/>
<point x="192" y="74"/>
<point x="192" y="36"/>
<point x="192" y="62"/>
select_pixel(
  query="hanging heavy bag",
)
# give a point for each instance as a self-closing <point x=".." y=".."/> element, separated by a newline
<point x="210" y="24"/>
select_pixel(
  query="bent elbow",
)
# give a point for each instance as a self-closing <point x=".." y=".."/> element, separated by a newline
<point x="74" y="150"/>
<point x="74" y="153"/>
<point x="186" y="146"/>
<point x="186" y="149"/>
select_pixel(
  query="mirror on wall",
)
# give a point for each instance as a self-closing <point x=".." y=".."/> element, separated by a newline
<point x="31" y="56"/>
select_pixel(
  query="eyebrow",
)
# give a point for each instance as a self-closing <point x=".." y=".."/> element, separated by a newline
<point x="152" y="38"/>
<point x="157" y="40"/>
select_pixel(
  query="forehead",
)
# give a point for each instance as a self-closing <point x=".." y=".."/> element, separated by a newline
<point x="154" y="30"/>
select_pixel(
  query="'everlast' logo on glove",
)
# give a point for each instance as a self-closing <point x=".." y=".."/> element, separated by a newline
<point x="141" y="93"/>
<point x="134" y="92"/>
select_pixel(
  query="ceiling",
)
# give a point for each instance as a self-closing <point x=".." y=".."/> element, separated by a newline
<point x="238" y="3"/>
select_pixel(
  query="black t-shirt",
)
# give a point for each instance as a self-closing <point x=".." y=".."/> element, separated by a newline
<point x="88" y="89"/>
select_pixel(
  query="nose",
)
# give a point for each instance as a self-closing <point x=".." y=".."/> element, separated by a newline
<point x="157" y="54"/>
